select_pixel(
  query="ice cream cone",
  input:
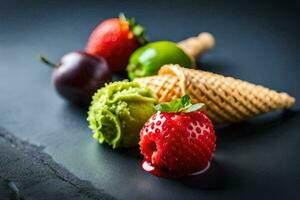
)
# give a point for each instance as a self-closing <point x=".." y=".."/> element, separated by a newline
<point x="195" y="46"/>
<point x="226" y="99"/>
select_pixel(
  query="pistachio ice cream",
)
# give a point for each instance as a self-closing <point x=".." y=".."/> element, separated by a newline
<point x="118" y="111"/>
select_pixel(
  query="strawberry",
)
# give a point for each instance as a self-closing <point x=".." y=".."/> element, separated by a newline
<point x="115" y="40"/>
<point x="179" y="138"/>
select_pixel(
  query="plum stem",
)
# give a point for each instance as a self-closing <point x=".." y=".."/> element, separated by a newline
<point x="46" y="61"/>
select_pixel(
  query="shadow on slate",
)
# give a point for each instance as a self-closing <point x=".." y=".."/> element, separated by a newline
<point x="217" y="65"/>
<point x="275" y="122"/>
<point x="215" y="178"/>
<point x="27" y="173"/>
<point x="221" y="175"/>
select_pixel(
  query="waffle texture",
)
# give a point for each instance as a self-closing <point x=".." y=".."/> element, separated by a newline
<point x="227" y="99"/>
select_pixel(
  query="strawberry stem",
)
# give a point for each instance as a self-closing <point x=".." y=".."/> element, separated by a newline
<point x="46" y="61"/>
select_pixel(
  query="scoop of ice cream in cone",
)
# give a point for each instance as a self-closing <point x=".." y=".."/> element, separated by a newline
<point x="118" y="112"/>
<point x="227" y="99"/>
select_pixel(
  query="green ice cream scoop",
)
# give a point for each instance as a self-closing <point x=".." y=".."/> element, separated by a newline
<point x="118" y="112"/>
<point x="147" y="60"/>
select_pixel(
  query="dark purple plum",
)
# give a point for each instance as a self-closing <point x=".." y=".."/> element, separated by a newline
<point x="78" y="76"/>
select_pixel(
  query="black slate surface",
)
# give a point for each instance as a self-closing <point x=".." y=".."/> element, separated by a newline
<point x="28" y="173"/>
<point x="256" y="41"/>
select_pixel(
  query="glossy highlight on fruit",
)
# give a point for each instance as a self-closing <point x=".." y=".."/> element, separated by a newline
<point x="161" y="172"/>
<point x="148" y="59"/>
<point x="79" y="75"/>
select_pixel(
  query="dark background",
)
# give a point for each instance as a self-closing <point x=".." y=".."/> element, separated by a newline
<point x="256" y="41"/>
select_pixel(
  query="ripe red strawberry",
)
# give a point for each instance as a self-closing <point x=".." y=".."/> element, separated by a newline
<point x="179" y="142"/>
<point x="115" y="40"/>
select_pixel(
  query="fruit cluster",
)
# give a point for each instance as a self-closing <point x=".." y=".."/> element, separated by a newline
<point x="176" y="138"/>
<point x="116" y="45"/>
<point x="79" y="74"/>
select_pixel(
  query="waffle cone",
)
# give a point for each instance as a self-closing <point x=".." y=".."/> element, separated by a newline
<point x="195" y="46"/>
<point x="227" y="99"/>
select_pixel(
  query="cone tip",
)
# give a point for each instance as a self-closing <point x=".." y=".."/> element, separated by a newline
<point x="208" y="38"/>
<point x="289" y="100"/>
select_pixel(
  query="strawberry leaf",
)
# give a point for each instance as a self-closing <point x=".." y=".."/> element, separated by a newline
<point x="179" y="105"/>
<point x="122" y="16"/>
<point x="137" y="29"/>
<point x="175" y="105"/>
<point x="162" y="107"/>
<point x="195" y="107"/>
<point x="186" y="101"/>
